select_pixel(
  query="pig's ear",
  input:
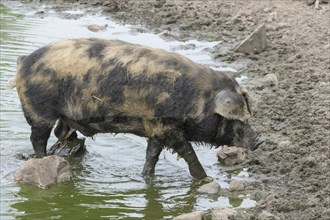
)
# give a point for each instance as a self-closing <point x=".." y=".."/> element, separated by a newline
<point x="232" y="105"/>
<point x="20" y="59"/>
<point x="247" y="99"/>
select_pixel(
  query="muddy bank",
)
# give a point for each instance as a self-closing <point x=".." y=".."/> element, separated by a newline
<point x="293" y="175"/>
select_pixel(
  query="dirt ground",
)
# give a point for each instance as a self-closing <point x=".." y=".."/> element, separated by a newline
<point x="292" y="166"/>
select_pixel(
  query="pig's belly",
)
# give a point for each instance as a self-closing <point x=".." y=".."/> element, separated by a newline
<point x="110" y="125"/>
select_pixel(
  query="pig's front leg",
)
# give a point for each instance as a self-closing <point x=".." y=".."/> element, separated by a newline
<point x="154" y="148"/>
<point x="186" y="151"/>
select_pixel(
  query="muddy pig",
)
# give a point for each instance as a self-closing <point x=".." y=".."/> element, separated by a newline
<point x="110" y="86"/>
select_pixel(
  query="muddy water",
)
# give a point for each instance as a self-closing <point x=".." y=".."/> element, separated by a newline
<point x="107" y="181"/>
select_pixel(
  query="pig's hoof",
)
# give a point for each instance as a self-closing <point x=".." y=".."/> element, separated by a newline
<point x="148" y="178"/>
<point x="207" y="179"/>
<point x="148" y="171"/>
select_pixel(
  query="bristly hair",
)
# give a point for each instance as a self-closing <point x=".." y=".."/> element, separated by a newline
<point x="205" y="145"/>
<point x="198" y="144"/>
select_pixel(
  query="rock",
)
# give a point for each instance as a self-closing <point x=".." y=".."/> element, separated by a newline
<point x="326" y="47"/>
<point x="283" y="145"/>
<point x="198" y="215"/>
<point x="236" y="185"/>
<point x="255" y="43"/>
<point x="219" y="213"/>
<point x="44" y="172"/>
<point x="267" y="216"/>
<point x="231" y="155"/>
<point x="210" y="188"/>
<point x="96" y="28"/>
<point x="270" y="80"/>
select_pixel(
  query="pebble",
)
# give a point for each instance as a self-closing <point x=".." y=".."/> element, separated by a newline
<point x="267" y="216"/>
<point x="270" y="80"/>
<point x="210" y="188"/>
<point x="231" y="155"/>
<point x="96" y="28"/>
<point x="198" y="215"/>
<point x="294" y="57"/>
<point x="283" y="145"/>
<point x="220" y="213"/>
<point x="236" y="185"/>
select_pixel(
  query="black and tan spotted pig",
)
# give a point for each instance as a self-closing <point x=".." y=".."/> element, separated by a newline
<point x="110" y="86"/>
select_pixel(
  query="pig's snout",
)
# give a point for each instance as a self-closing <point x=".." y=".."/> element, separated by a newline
<point x="256" y="142"/>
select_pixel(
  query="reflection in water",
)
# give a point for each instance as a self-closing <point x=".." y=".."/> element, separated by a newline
<point x="154" y="208"/>
<point x="65" y="200"/>
<point x="107" y="181"/>
<point x="158" y="209"/>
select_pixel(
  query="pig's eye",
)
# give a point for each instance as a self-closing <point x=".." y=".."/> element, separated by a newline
<point x="240" y="133"/>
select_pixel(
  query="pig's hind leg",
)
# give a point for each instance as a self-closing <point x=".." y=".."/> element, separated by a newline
<point x="154" y="149"/>
<point x="40" y="132"/>
<point x="39" y="137"/>
<point x="63" y="131"/>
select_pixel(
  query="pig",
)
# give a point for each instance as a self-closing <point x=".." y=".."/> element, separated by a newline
<point x="110" y="86"/>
